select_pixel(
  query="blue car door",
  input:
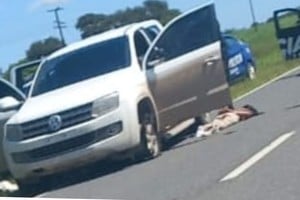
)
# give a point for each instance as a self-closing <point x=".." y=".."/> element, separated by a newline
<point x="234" y="58"/>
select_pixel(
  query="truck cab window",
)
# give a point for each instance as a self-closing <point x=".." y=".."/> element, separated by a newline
<point x="152" y="32"/>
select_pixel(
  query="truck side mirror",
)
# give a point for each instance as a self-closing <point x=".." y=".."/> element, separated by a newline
<point x="9" y="103"/>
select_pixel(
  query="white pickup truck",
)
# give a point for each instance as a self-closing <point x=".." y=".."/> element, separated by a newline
<point x="116" y="92"/>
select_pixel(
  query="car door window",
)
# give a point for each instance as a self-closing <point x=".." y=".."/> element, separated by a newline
<point x="288" y="32"/>
<point x="141" y="45"/>
<point x="230" y="42"/>
<point x="232" y="47"/>
<point x="192" y="32"/>
<point x="8" y="91"/>
<point x="152" y="32"/>
<point x="22" y="75"/>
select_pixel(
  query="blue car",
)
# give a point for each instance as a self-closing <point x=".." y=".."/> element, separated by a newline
<point x="239" y="59"/>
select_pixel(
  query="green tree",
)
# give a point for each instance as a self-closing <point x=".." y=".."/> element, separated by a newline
<point x="36" y="51"/>
<point x="91" y="24"/>
<point x="159" y="10"/>
<point x="42" y="48"/>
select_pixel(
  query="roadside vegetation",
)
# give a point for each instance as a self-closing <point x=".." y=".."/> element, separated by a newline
<point x="270" y="63"/>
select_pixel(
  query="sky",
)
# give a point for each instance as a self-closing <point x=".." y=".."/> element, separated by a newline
<point x="25" y="21"/>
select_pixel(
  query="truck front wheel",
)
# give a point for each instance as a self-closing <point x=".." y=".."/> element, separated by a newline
<point x="150" y="146"/>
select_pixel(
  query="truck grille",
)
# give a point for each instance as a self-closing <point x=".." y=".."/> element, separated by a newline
<point x="69" y="118"/>
<point x="69" y="145"/>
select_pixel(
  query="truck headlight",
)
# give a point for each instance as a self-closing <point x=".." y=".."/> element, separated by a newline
<point x="13" y="132"/>
<point x="105" y="104"/>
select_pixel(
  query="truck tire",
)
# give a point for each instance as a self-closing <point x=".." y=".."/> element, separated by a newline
<point x="150" y="146"/>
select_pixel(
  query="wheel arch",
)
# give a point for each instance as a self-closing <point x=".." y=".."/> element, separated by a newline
<point x="145" y="104"/>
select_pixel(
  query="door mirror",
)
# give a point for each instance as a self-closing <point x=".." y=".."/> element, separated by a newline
<point x="9" y="103"/>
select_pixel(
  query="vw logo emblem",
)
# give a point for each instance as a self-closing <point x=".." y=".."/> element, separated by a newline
<point x="54" y="123"/>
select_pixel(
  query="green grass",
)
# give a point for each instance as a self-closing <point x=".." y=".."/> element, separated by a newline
<point x="270" y="62"/>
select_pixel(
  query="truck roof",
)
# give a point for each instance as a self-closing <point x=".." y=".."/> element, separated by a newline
<point x="118" y="32"/>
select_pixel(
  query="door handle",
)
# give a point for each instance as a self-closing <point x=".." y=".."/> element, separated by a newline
<point x="211" y="60"/>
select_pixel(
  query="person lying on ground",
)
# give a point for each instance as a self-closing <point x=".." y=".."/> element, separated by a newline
<point x="225" y="118"/>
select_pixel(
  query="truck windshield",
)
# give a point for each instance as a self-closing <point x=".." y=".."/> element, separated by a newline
<point x="82" y="64"/>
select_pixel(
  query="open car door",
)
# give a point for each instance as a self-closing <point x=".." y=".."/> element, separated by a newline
<point x="287" y="25"/>
<point x="22" y="75"/>
<point x="184" y="67"/>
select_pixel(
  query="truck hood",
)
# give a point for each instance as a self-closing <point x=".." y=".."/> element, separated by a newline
<point x="73" y="95"/>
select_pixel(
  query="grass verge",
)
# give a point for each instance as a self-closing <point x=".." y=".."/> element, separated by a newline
<point x="269" y="60"/>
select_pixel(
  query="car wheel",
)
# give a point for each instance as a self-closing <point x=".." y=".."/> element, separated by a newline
<point x="150" y="146"/>
<point x="251" y="71"/>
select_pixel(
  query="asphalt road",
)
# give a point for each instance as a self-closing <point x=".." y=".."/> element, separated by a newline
<point x="192" y="168"/>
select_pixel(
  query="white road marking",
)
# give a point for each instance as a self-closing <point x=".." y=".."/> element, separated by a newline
<point x="257" y="157"/>
<point x="266" y="84"/>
